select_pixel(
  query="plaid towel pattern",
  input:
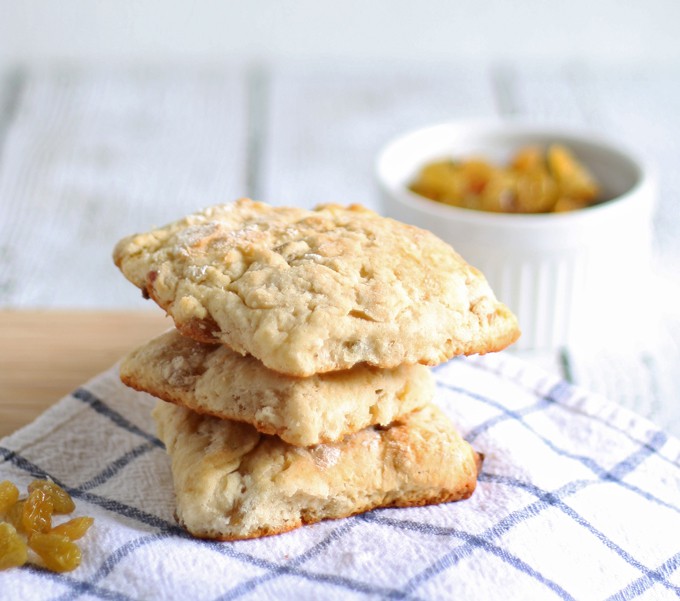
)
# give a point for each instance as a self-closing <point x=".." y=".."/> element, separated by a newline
<point x="578" y="499"/>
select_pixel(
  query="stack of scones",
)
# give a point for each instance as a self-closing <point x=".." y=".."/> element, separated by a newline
<point x="295" y="387"/>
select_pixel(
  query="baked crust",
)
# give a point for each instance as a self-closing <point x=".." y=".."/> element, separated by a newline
<point x="232" y="482"/>
<point x="308" y="292"/>
<point x="214" y="380"/>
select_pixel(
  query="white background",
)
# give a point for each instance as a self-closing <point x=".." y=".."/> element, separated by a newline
<point x="39" y="31"/>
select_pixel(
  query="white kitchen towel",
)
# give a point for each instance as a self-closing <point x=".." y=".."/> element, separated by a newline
<point x="578" y="499"/>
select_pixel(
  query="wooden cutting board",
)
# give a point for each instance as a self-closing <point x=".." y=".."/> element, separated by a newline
<point x="47" y="354"/>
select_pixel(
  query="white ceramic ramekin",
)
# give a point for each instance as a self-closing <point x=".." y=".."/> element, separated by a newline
<point x="568" y="277"/>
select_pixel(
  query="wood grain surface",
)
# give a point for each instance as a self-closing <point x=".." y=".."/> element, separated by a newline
<point x="47" y="354"/>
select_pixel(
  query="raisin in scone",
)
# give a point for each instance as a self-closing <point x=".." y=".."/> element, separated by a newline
<point x="231" y="482"/>
<point x="307" y="292"/>
<point x="214" y="380"/>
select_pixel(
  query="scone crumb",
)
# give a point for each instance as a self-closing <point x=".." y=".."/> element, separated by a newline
<point x="188" y="307"/>
<point x="325" y="455"/>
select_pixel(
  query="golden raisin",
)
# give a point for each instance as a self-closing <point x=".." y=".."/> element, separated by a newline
<point x="534" y="182"/>
<point x="9" y="494"/>
<point x="61" y="500"/>
<point x="73" y="529"/>
<point x="13" y="550"/>
<point x="57" y="551"/>
<point x="528" y="159"/>
<point x="14" y="515"/>
<point x="32" y="518"/>
<point x="574" y="179"/>
<point x="37" y="514"/>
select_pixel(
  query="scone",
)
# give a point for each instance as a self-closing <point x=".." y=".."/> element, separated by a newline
<point x="215" y="380"/>
<point x="231" y="482"/>
<point x="308" y="292"/>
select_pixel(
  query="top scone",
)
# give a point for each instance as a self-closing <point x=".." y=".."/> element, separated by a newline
<point x="309" y="292"/>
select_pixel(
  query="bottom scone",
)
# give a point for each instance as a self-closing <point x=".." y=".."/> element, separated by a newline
<point x="232" y="482"/>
